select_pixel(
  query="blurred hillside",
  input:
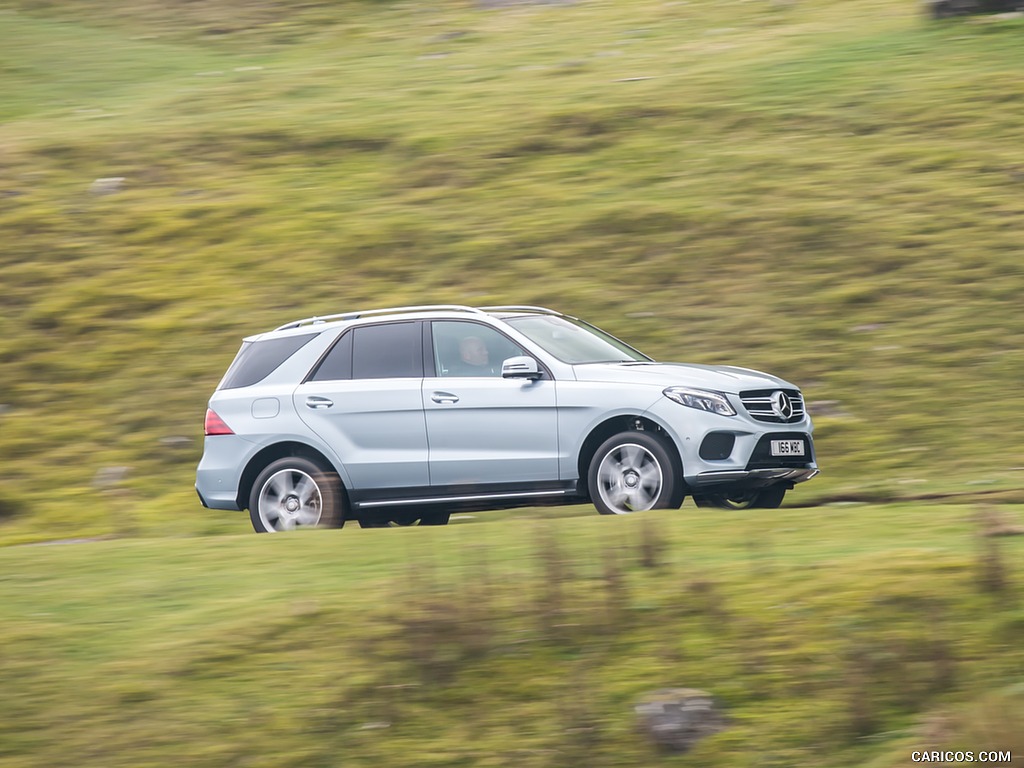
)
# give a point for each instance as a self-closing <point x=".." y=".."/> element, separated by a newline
<point x="830" y="191"/>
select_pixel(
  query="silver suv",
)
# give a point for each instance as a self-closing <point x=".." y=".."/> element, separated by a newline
<point x="400" y="416"/>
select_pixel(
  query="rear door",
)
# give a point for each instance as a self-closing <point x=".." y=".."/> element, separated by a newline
<point x="484" y="430"/>
<point x="364" y="400"/>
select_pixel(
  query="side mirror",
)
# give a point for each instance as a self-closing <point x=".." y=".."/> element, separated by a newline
<point x="521" y="368"/>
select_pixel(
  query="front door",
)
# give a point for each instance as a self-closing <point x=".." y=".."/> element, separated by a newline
<point x="484" y="430"/>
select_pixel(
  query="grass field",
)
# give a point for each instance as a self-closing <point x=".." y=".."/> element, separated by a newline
<point x="829" y="190"/>
<point x="846" y="637"/>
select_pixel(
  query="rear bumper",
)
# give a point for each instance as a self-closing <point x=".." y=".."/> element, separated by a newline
<point x="218" y="473"/>
<point x="218" y="501"/>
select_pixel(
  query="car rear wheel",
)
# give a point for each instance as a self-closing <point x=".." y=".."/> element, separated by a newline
<point x="295" y="492"/>
<point x="761" y="498"/>
<point x="632" y="472"/>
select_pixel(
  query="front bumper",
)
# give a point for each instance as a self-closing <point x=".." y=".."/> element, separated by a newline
<point x="741" y="457"/>
<point x="754" y="477"/>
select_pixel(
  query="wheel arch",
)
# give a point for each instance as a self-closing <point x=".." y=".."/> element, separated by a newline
<point x="613" y="426"/>
<point x="272" y="453"/>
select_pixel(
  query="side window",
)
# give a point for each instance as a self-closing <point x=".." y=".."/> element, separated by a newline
<point x="390" y="351"/>
<point x="257" y="360"/>
<point x="470" y="349"/>
<point x="337" y="364"/>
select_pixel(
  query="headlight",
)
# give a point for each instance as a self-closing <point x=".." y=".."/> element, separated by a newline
<point x="701" y="399"/>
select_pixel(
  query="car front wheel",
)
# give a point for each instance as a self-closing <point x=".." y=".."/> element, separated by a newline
<point x="632" y="472"/>
<point x="294" y="492"/>
<point x="762" y="498"/>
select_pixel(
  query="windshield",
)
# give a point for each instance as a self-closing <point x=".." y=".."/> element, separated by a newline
<point x="573" y="341"/>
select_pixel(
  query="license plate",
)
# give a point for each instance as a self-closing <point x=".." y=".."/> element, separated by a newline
<point x="787" y="447"/>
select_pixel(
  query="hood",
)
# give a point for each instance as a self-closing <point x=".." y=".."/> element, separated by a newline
<point x="721" y="378"/>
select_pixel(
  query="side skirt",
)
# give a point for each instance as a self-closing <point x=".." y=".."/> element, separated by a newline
<point x="488" y="496"/>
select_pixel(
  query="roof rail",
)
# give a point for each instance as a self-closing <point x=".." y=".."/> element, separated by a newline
<point x="317" y="319"/>
<point x="524" y="308"/>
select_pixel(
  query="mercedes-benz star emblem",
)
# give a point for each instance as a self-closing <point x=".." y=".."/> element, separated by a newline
<point x="782" y="406"/>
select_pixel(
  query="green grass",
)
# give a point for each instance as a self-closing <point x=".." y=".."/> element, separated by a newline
<point x="826" y="191"/>
<point x="831" y="638"/>
<point x="829" y="191"/>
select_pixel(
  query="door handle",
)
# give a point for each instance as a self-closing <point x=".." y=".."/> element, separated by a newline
<point x="317" y="403"/>
<point x="444" y="397"/>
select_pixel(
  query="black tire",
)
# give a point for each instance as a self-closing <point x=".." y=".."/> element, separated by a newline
<point x="635" y="471"/>
<point x="435" y="518"/>
<point x="403" y="519"/>
<point x="295" y="492"/>
<point x="762" y="498"/>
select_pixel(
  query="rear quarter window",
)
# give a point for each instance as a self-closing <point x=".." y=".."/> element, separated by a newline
<point x="337" y="363"/>
<point x="258" y="359"/>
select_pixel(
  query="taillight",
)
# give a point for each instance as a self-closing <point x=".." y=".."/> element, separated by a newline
<point x="215" y="424"/>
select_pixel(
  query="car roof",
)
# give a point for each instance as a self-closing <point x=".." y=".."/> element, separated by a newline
<point x="322" y="322"/>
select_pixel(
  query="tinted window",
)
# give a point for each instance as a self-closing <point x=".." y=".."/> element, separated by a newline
<point x="257" y="360"/>
<point x="390" y="351"/>
<point x="337" y="364"/>
<point x="470" y="349"/>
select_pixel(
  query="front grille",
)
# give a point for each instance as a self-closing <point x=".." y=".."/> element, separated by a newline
<point x="758" y="403"/>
